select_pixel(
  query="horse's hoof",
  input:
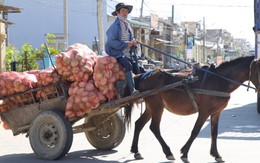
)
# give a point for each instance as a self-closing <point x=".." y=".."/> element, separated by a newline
<point x="170" y="157"/>
<point x="185" y="159"/>
<point x="138" y="156"/>
<point x="219" y="159"/>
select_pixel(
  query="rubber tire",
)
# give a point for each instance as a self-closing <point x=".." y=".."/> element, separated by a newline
<point x="108" y="135"/>
<point x="258" y="103"/>
<point x="51" y="123"/>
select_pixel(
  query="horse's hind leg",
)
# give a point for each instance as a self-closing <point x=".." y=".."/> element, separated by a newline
<point x="155" y="128"/>
<point x="214" y="133"/>
<point x="139" y="124"/>
<point x="195" y="131"/>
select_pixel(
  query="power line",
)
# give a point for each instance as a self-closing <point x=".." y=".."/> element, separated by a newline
<point x="150" y="9"/>
<point x="205" y="5"/>
<point x="226" y="6"/>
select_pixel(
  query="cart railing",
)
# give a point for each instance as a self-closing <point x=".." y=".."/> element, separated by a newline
<point x="20" y="109"/>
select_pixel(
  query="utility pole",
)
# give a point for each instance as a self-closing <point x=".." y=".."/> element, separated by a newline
<point x="100" y="24"/>
<point x="65" y="21"/>
<point x="141" y="10"/>
<point x="139" y="32"/>
<point x="172" y="14"/>
<point x="204" y="57"/>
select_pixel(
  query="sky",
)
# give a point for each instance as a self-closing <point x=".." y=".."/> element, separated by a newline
<point x="235" y="16"/>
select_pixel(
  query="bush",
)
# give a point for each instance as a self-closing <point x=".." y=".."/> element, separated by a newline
<point x="26" y="58"/>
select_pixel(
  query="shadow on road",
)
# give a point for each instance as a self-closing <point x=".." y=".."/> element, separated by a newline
<point x="239" y="123"/>
<point x="90" y="156"/>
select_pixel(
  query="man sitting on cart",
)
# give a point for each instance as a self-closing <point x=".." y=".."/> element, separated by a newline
<point x="120" y="40"/>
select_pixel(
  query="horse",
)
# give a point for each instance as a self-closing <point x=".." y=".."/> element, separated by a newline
<point x="210" y="95"/>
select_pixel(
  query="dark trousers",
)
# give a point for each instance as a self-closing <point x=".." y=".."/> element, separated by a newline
<point x="130" y="65"/>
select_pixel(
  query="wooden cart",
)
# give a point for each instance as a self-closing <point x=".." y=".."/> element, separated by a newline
<point x="51" y="134"/>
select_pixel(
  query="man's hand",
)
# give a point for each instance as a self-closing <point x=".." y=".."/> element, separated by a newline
<point x="132" y="43"/>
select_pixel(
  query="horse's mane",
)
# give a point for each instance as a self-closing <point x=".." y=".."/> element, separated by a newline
<point x="227" y="64"/>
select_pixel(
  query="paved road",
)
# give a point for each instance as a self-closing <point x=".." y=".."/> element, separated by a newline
<point x="238" y="142"/>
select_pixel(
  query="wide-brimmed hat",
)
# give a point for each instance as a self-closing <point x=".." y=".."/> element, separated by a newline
<point x="122" y="5"/>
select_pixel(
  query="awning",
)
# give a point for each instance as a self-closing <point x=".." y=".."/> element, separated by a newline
<point x="139" y="24"/>
<point x="9" y="9"/>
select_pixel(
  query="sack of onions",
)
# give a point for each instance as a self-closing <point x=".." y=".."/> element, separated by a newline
<point x="47" y="76"/>
<point x="4" y="105"/>
<point x="35" y="72"/>
<point x="106" y="72"/>
<point x="83" y="97"/>
<point x="15" y="82"/>
<point x="76" y="63"/>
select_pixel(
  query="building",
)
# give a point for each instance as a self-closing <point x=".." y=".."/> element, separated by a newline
<point x="4" y="24"/>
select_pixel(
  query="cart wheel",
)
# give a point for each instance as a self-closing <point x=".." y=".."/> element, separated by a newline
<point x="107" y="135"/>
<point x="51" y="135"/>
<point x="258" y="103"/>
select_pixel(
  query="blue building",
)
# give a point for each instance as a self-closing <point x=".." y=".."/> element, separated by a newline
<point x="39" y="17"/>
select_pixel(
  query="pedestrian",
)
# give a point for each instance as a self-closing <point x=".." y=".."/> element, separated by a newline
<point x="120" y="39"/>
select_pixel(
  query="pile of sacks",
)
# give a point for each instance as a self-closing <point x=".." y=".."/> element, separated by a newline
<point x="92" y="79"/>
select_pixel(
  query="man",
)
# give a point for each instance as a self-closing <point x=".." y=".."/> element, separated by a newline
<point x="120" y="39"/>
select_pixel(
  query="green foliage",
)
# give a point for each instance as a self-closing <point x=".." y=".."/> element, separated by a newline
<point x="50" y="37"/>
<point x="26" y="58"/>
<point x="11" y="55"/>
<point x="41" y="52"/>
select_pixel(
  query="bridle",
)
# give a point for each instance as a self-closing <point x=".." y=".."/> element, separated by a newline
<point x="257" y="89"/>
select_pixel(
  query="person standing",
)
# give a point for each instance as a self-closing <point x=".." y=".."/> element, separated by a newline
<point x="120" y="39"/>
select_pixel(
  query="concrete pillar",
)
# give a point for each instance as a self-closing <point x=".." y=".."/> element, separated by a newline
<point x="2" y="42"/>
<point x="2" y="46"/>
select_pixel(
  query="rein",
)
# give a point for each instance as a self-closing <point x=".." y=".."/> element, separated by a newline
<point x="195" y="66"/>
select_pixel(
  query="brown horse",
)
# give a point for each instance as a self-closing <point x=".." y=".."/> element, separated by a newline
<point x="216" y="87"/>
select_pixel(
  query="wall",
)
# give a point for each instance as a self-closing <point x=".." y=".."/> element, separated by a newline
<point x="39" y="17"/>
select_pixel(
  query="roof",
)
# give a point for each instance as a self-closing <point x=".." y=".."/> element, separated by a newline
<point x="137" y="23"/>
<point x="6" y="10"/>
<point x="9" y="9"/>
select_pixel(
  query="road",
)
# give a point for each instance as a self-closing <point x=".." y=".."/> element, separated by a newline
<point x="238" y="142"/>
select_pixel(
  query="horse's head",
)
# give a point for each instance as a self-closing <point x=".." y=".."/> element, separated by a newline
<point x="254" y="73"/>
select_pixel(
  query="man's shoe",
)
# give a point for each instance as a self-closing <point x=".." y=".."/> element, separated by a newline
<point x="135" y="92"/>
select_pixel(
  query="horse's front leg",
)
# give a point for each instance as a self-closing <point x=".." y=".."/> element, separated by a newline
<point x="195" y="131"/>
<point x="155" y="128"/>
<point x="214" y="119"/>
<point x="139" y="124"/>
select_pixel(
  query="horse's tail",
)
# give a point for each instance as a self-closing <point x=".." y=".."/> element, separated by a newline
<point x="128" y="112"/>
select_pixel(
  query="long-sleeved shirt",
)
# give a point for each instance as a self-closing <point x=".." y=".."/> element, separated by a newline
<point x="115" y="46"/>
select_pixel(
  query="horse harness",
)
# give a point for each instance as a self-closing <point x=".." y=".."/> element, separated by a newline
<point x="258" y="74"/>
<point x="191" y="92"/>
<point x="201" y="91"/>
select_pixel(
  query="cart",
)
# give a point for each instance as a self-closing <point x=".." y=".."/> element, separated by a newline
<point x="51" y="133"/>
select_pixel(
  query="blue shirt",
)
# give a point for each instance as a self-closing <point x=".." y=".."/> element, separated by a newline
<point x="114" y="45"/>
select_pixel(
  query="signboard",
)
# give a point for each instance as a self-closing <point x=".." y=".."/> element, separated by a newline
<point x="189" y="46"/>
<point x="154" y="21"/>
<point x="190" y="42"/>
